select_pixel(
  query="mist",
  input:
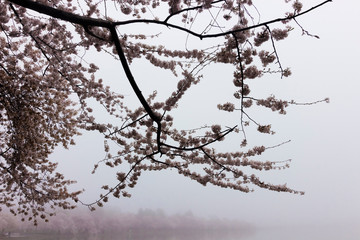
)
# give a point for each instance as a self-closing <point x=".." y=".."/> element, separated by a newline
<point x="323" y="148"/>
<point x="324" y="151"/>
<point x="145" y="224"/>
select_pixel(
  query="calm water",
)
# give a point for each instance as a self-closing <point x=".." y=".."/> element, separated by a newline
<point x="312" y="233"/>
<point x="309" y="233"/>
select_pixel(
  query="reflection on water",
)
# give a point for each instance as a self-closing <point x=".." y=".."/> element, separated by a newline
<point x="307" y="233"/>
<point x="209" y="235"/>
<point x="303" y="233"/>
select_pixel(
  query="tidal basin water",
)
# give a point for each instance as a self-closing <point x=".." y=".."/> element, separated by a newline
<point x="277" y="233"/>
<point x="306" y="233"/>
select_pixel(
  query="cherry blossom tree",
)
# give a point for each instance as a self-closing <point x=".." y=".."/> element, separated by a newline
<point x="46" y="85"/>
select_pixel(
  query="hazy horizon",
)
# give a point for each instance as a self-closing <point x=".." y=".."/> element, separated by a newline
<point x="324" y="137"/>
<point x="324" y="145"/>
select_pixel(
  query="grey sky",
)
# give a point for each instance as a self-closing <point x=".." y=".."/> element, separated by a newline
<point x="325" y="137"/>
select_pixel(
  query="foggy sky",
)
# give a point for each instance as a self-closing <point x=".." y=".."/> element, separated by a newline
<point x="325" y="137"/>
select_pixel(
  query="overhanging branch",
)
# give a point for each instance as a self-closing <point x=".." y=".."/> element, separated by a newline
<point x="86" y="21"/>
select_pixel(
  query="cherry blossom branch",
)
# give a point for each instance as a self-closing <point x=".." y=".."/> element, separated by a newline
<point x="134" y="85"/>
<point x="305" y="31"/>
<point x="276" y="54"/>
<point x="242" y="85"/>
<point x="61" y="14"/>
<point x="189" y="9"/>
<point x="86" y="21"/>
<point x="121" y="181"/>
<point x="129" y="124"/>
<point x="5" y="69"/>
<point x="247" y="115"/>
<point x="203" y="145"/>
<point x="202" y="36"/>
<point x="253" y="179"/>
<point x="32" y="37"/>
<point x="292" y="102"/>
<point x="216" y="162"/>
<point x="278" y="145"/>
<point x="115" y="39"/>
<point x="327" y="100"/>
<point x="164" y="163"/>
